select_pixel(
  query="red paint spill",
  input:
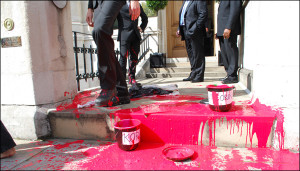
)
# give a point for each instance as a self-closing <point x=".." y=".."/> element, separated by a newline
<point x="80" y="99"/>
<point x="60" y="146"/>
<point x="148" y="156"/>
<point x="165" y="122"/>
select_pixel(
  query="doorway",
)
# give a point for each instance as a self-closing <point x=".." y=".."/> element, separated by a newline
<point x="176" y="47"/>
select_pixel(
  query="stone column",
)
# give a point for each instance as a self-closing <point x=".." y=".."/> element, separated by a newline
<point x="35" y="75"/>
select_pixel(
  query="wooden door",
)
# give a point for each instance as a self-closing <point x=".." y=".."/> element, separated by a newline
<point x="176" y="47"/>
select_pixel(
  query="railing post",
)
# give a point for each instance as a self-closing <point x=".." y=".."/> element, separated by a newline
<point x="144" y="49"/>
<point x="84" y="62"/>
<point x="92" y="67"/>
<point x="76" y="61"/>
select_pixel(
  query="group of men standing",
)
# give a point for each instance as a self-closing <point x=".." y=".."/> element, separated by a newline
<point x="192" y="20"/>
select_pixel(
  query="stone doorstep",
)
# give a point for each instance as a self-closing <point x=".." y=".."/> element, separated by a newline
<point x="185" y="69"/>
<point x="97" y="124"/>
<point x="188" y="65"/>
<point x="184" y="74"/>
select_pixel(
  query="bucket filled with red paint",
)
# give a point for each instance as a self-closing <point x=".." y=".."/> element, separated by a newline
<point x="128" y="133"/>
<point x="220" y="97"/>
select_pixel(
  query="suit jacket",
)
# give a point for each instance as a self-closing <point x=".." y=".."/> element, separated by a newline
<point x="229" y="16"/>
<point x="93" y="4"/>
<point x="195" y="18"/>
<point x="127" y="27"/>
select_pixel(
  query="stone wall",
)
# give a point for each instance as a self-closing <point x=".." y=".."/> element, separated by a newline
<point x="271" y="51"/>
<point x="35" y="75"/>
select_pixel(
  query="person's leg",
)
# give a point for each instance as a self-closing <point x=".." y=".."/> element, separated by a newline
<point x="124" y="53"/>
<point x="232" y="59"/>
<point x="224" y="56"/>
<point x="134" y="54"/>
<point x="7" y="143"/>
<point x="190" y="56"/>
<point x="232" y="52"/>
<point x="198" y="58"/>
<point x="104" y="17"/>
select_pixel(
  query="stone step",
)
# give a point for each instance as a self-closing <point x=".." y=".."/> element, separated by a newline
<point x="184" y="74"/>
<point x="184" y="69"/>
<point x="176" y="125"/>
<point x="188" y="65"/>
<point x="186" y="59"/>
<point x="181" y="121"/>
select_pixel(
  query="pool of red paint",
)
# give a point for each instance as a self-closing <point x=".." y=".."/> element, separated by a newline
<point x="167" y="122"/>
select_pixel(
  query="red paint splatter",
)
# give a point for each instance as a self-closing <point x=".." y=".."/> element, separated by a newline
<point x="60" y="146"/>
<point x="80" y="99"/>
<point x="65" y="93"/>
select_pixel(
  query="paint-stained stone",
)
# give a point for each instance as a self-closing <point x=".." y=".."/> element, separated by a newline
<point x="24" y="151"/>
<point x="58" y="154"/>
<point x="170" y="118"/>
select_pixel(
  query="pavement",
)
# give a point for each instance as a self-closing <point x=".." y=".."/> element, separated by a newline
<point x="73" y="154"/>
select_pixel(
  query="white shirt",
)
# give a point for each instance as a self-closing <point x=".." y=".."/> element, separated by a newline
<point x="182" y="22"/>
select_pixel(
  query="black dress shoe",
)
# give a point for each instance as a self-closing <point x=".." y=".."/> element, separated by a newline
<point x="105" y="98"/>
<point x="187" y="79"/>
<point x="197" y="80"/>
<point x="222" y="79"/>
<point x="230" y="80"/>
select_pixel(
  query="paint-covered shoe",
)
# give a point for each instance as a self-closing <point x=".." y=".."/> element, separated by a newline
<point x="105" y="98"/>
<point x="133" y="81"/>
<point x="120" y="100"/>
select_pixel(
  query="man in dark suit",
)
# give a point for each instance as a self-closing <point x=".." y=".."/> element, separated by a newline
<point x="130" y="38"/>
<point x="192" y="18"/>
<point x="113" y="84"/>
<point x="229" y="27"/>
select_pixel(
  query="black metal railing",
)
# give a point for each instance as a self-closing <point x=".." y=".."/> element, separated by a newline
<point x="92" y="52"/>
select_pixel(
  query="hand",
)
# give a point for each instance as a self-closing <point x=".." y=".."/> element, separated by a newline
<point x="134" y="9"/>
<point x="216" y="37"/>
<point x="89" y="17"/>
<point x="178" y="33"/>
<point x="206" y="29"/>
<point x="226" y="33"/>
<point x="140" y="29"/>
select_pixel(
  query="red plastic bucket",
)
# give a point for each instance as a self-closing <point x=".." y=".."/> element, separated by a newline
<point x="220" y="97"/>
<point x="128" y="133"/>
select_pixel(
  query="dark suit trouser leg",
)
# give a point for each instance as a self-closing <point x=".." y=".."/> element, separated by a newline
<point x="110" y="70"/>
<point x="198" y="52"/>
<point x="134" y="54"/>
<point x="190" y="55"/>
<point x="230" y="54"/>
<point x="223" y="54"/>
<point x="124" y="53"/>
<point x="6" y="140"/>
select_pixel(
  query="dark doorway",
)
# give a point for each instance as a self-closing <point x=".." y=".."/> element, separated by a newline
<point x="209" y="39"/>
